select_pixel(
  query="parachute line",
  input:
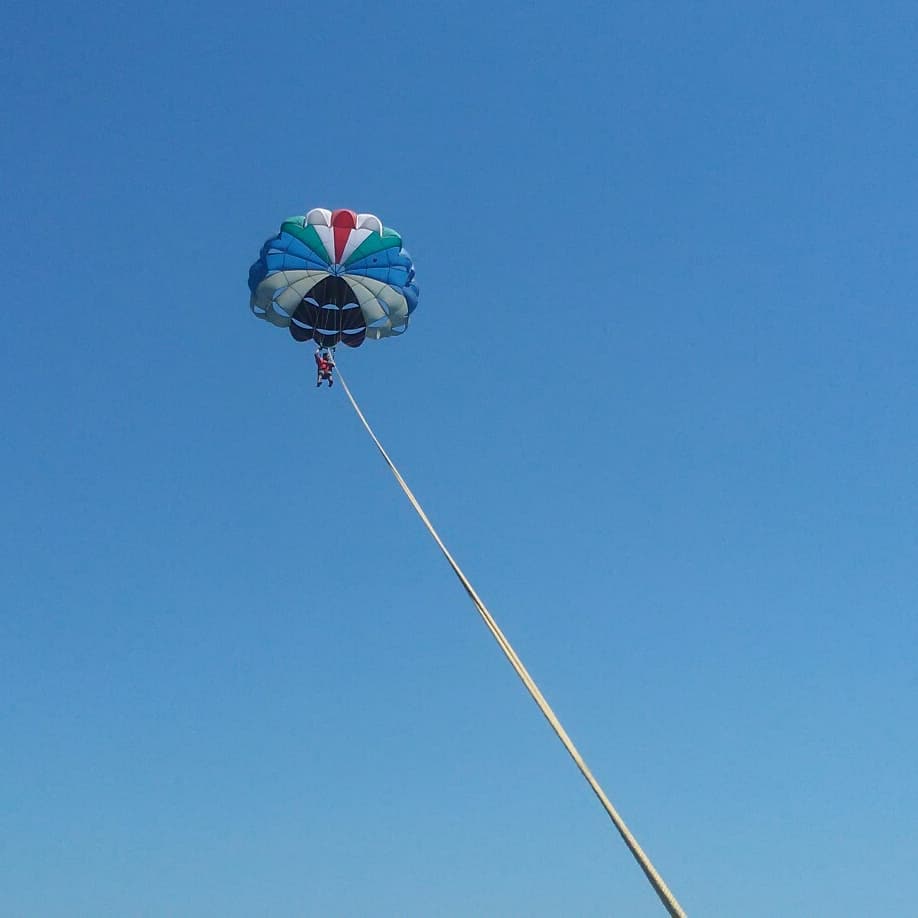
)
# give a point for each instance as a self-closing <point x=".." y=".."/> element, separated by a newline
<point x="656" y="881"/>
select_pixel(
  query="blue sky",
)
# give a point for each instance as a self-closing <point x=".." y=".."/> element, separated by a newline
<point x="658" y="397"/>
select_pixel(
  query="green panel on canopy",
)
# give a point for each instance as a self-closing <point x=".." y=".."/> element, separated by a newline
<point x="308" y="236"/>
<point x="375" y="243"/>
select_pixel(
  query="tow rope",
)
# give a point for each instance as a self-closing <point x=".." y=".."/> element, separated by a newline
<point x="656" y="881"/>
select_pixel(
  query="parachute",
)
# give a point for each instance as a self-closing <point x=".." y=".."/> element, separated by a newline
<point x="334" y="277"/>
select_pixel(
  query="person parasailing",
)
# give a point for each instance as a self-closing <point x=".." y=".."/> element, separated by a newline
<point x="325" y="365"/>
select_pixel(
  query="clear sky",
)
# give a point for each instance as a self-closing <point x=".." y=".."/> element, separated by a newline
<point x="659" y="397"/>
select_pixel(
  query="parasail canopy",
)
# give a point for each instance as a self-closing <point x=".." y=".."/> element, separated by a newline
<point x="334" y="277"/>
